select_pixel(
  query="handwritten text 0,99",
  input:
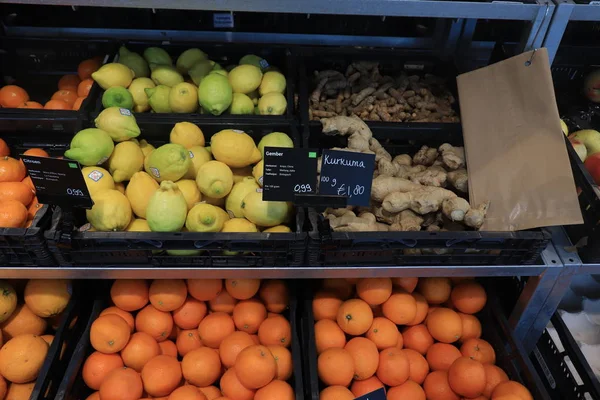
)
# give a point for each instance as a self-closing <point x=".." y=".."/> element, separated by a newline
<point x="306" y="188"/>
<point x="342" y="189"/>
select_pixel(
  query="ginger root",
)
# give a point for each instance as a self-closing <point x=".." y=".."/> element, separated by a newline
<point x="455" y="208"/>
<point x="423" y="200"/>
<point x="425" y="156"/>
<point x="459" y="180"/>
<point x="384" y="185"/>
<point x="432" y="176"/>
<point x="349" y="222"/>
<point x="407" y="221"/>
<point x="475" y="216"/>
<point x="453" y="157"/>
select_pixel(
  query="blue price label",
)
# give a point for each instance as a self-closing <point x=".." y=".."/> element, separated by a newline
<point x="378" y="394"/>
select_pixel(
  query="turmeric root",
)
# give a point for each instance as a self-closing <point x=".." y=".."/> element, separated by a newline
<point x="475" y="216"/>
<point x="455" y="208"/>
<point x="459" y="180"/>
<point x="453" y="157"/>
<point x="423" y="200"/>
<point x="425" y="156"/>
<point x="383" y="185"/>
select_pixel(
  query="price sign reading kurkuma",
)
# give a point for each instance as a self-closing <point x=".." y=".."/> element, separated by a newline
<point x="345" y="173"/>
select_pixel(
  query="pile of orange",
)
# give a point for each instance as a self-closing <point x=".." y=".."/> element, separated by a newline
<point x="416" y="338"/>
<point x="18" y="203"/>
<point x="199" y="339"/>
<point x="72" y="91"/>
<point x="24" y="327"/>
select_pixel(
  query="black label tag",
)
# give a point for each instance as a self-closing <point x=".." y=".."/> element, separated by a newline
<point x="58" y="181"/>
<point x="378" y="394"/>
<point x="288" y="172"/>
<point x="345" y="173"/>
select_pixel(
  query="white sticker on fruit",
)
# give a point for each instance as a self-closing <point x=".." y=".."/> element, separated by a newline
<point x="237" y="131"/>
<point x="102" y="160"/>
<point x="260" y="181"/>
<point x="191" y="154"/>
<point x="259" y="190"/>
<point x="95" y="175"/>
<point x="155" y="172"/>
<point x="264" y="64"/>
<point x="125" y="111"/>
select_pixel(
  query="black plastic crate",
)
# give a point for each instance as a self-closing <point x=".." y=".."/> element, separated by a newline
<point x="510" y="355"/>
<point x="327" y="247"/>
<point x="37" y="64"/>
<point x="225" y="54"/>
<point x="72" y="386"/>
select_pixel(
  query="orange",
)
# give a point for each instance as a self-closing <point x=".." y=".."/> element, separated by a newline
<point x="11" y="170"/>
<point x="336" y="393"/>
<point x="255" y="367"/>
<point x="214" y="328"/>
<point x="374" y="291"/>
<point x="223" y="302"/>
<point x="400" y="308"/>
<point x="365" y="356"/>
<point x="248" y="315"/>
<point x="276" y="390"/>
<point x="467" y="377"/>
<point x="22" y="321"/>
<point x="69" y="82"/>
<point x="16" y="191"/>
<point x="4" y="150"/>
<point x="255" y="339"/>
<point x="436" y="387"/>
<point x="242" y="289"/>
<point x="87" y="67"/>
<point x="360" y="388"/>
<point x="511" y="388"/>
<point x="83" y="89"/>
<point x="161" y="375"/>
<point x="189" y="315"/>
<point x="204" y="289"/>
<point x="468" y="297"/>
<point x="383" y="332"/>
<point x="417" y="338"/>
<point x="480" y="350"/>
<point x="78" y="103"/>
<point x="435" y="290"/>
<point x="69" y="96"/>
<point x="283" y="359"/>
<point x="58" y="104"/>
<point x="408" y="390"/>
<point x="394" y="367"/>
<point x="93" y="396"/>
<point x="187" y="340"/>
<point x="3" y="387"/>
<point x="129" y="294"/>
<point x="33" y="208"/>
<point x="440" y="356"/>
<point x="22" y="357"/>
<point x="471" y="327"/>
<point x="157" y="324"/>
<point x="328" y="334"/>
<point x="36" y="152"/>
<point x="187" y="393"/>
<point x="31" y="104"/>
<point x="274" y="294"/>
<point x="140" y="349"/>
<point x="12" y="96"/>
<point x="419" y="368"/>
<point x="168" y="348"/>
<point x="341" y="287"/>
<point x="335" y="367"/>
<point x="17" y="391"/>
<point x="167" y="294"/>
<point x="422" y="309"/>
<point x="274" y="331"/>
<point x="444" y="325"/>
<point x="232" y="345"/>
<point x="121" y="384"/>
<point x="97" y="366"/>
<point x="493" y="377"/>
<point x="109" y="333"/>
<point x="123" y="314"/>
<point x="211" y="392"/>
<point x="232" y="388"/>
<point x="13" y="214"/>
<point x="325" y="305"/>
<point x="355" y="317"/>
<point x="27" y="180"/>
<point x="407" y="284"/>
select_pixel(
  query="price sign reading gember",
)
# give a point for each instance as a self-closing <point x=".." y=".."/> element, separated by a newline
<point x="345" y="173"/>
<point x="288" y="172"/>
<point x="58" y="182"/>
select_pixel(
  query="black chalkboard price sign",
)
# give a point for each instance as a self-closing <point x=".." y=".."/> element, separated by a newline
<point x="345" y="173"/>
<point x="58" y="181"/>
<point x="288" y="172"/>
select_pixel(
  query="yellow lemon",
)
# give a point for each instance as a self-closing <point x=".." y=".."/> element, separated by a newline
<point x="264" y="213"/>
<point x="245" y="78"/>
<point x="233" y="204"/>
<point x="113" y="74"/>
<point x="190" y="191"/>
<point x="139" y="190"/>
<point x="111" y="211"/>
<point x="205" y="218"/>
<point x="97" y="179"/>
<point x="215" y="179"/>
<point x="278" y="229"/>
<point x="140" y="98"/>
<point x="187" y="134"/>
<point x="126" y="159"/>
<point x="138" y="225"/>
<point x="199" y="157"/>
<point x="234" y="148"/>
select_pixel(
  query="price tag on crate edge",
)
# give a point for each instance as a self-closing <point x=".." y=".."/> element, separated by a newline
<point x="59" y="181"/>
<point x="288" y="172"/>
<point x="378" y="394"/>
<point x="344" y="173"/>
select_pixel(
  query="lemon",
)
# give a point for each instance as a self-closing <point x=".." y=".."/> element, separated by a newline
<point x="214" y="201"/>
<point x="90" y="147"/>
<point x="233" y="204"/>
<point x="220" y="72"/>
<point x="170" y="162"/>
<point x="138" y="225"/>
<point x="241" y="104"/>
<point x="215" y="94"/>
<point x="140" y="98"/>
<point x="245" y="78"/>
<point x="97" y="179"/>
<point x="199" y="157"/>
<point x="190" y="191"/>
<point x="119" y="123"/>
<point x="272" y="82"/>
<point x="234" y="148"/>
<point x="120" y="187"/>
<point x="278" y="229"/>
<point x="187" y="134"/>
<point x="257" y="173"/>
<point x="157" y="55"/>
<point x="238" y="225"/>
<point x="139" y="190"/>
<point x="188" y="58"/>
<point x="272" y="104"/>
<point x="138" y="65"/>
<point x="158" y="98"/>
<point x="167" y="209"/>
<point x="205" y="218"/>
<point x="254" y="97"/>
<point x="113" y="74"/>
<point x="199" y="70"/>
<point x="215" y="179"/>
<point x="111" y="211"/>
<point x="126" y="159"/>
<point x="240" y="173"/>
<point x="183" y="98"/>
<point x="146" y="147"/>
<point x="264" y="213"/>
<point x="166" y="75"/>
<point x="275" y="139"/>
<point x="254" y="60"/>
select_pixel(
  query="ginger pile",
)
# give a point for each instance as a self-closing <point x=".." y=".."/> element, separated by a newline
<point x="363" y="91"/>
<point x="408" y="193"/>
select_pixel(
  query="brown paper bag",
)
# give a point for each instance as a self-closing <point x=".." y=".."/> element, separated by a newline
<point x="515" y="149"/>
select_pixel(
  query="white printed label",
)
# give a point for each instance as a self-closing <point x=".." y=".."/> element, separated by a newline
<point x="125" y="111"/>
<point x="155" y="172"/>
<point x="264" y="64"/>
<point x="260" y="181"/>
<point x="102" y="160"/>
<point x="259" y="190"/>
<point x="223" y="20"/>
<point x="191" y="154"/>
<point x="95" y="175"/>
